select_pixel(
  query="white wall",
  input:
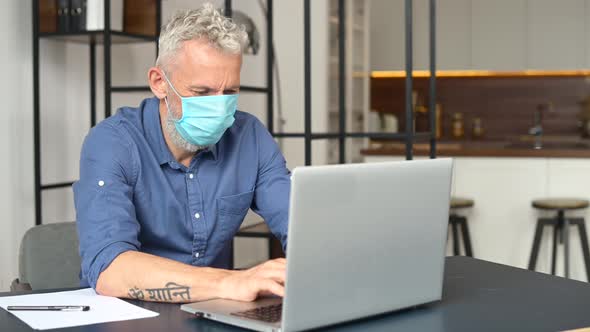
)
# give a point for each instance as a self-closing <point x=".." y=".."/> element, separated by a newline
<point x="65" y="108"/>
<point x="16" y="134"/>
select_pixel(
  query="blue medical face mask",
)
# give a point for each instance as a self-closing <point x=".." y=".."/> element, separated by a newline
<point x="205" y="119"/>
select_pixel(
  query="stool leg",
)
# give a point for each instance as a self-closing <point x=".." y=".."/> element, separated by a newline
<point x="563" y="225"/>
<point x="556" y="228"/>
<point x="536" y="245"/>
<point x="566" y="247"/>
<point x="584" y="239"/>
<point x="466" y="238"/>
<point x="456" y="251"/>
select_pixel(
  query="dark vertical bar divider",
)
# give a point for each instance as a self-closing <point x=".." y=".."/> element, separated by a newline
<point x="228" y="8"/>
<point x="342" y="80"/>
<point x="269" y="67"/>
<point x="409" y="67"/>
<point x="107" y="58"/>
<point x="158" y="25"/>
<point x="36" y="114"/>
<point x="432" y="81"/>
<point x="92" y="51"/>
<point x="307" y="80"/>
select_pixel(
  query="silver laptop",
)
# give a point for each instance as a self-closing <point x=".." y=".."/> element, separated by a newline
<point x="364" y="239"/>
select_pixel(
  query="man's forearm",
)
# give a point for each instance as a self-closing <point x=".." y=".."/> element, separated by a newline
<point x="151" y="278"/>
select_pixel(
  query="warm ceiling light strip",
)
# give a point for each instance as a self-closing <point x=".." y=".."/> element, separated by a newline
<point x="483" y="73"/>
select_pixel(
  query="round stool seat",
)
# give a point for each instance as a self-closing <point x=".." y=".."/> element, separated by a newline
<point x="461" y="203"/>
<point x="560" y="203"/>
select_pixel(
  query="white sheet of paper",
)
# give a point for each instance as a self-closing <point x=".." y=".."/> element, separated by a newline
<point x="102" y="309"/>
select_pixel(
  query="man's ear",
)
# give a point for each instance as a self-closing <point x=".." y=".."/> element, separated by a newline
<point x="157" y="82"/>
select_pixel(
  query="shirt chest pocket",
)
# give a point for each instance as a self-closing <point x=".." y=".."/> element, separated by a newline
<point x="231" y="211"/>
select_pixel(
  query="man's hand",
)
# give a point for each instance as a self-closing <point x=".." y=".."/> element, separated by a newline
<point x="264" y="279"/>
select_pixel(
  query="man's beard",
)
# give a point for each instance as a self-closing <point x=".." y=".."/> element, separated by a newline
<point x="175" y="136"/>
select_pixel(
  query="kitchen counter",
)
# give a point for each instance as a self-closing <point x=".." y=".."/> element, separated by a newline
<point x="552" y="148"/>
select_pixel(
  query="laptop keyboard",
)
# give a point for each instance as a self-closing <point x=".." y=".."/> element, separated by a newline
<point x="270" y="313"/>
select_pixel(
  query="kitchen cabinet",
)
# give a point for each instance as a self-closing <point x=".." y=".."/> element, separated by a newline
<point x="508" y="35"/>
<point x="421" y="35"/>
<point x="387" y="34"/>
<point x="453" y="34"/>
<point x="556" y="36"/>
<point x="498" y="35"/>
<point x="571" y="178"/>
<point x="502" y="222"/>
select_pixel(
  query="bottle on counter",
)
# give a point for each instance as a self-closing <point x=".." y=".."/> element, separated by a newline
<point x="458" y="126"/>
<point x="477" y="130"/>
<point x="439" y="117"/>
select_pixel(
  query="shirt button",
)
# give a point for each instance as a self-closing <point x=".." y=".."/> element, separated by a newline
<point x="190" y="176"/>
<point x="100" y="183"/>
<point x="197" y="215"/>
<point x="197" y="255"/>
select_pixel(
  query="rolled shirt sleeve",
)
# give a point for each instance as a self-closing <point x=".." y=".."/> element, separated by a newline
<point x="273" y="185"/>
<point x="105" y="213"/>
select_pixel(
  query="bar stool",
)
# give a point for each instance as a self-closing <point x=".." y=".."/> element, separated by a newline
<point x="457" y="221"/>
<point x="560" y="226"/>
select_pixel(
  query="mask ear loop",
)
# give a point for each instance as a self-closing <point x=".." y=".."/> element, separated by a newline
<point x="173" y="89"/>
<point x="166" y="101"/>
<point x="170" y="83"/>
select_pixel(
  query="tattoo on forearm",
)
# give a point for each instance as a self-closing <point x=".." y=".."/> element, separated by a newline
<point x="136" y="293"/>
<point x="172" y="291"/>
<point x="179" y="290"/>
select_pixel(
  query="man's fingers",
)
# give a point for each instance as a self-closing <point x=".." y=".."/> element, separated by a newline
<point x="277" y="275"/>
<point x="270" y="286"/>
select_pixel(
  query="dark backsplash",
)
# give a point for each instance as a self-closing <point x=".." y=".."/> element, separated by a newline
<point x="506" y="105"/>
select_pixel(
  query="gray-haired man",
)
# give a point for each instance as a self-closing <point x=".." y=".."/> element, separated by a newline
<point x="164" y="187"/>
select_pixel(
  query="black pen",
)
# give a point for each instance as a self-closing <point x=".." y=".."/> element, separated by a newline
<point x="49" y="308"/>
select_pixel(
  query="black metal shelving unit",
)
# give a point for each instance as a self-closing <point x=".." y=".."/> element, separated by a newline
<point x="107" y="38"/>
<point x="408" y="136"/>
<point x="259" y="230"/>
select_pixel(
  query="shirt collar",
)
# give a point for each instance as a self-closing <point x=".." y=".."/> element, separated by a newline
<point x="213" y="150"/>
<point x="155" y="136"/>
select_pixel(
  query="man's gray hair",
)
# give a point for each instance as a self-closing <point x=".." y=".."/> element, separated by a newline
<point x="206" y="22"/>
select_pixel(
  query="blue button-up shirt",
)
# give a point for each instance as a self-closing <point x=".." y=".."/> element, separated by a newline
<point x="133" y="195"/>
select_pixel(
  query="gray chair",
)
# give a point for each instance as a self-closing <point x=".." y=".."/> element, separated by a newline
<point x="48" y="258"/>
